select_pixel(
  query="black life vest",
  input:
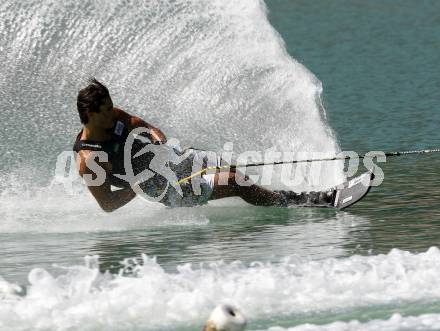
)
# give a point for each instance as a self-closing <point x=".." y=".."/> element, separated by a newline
<point x="114" y="147"/>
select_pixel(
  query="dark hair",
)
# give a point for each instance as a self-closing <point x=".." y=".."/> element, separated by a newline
<point x="90" y="98"/>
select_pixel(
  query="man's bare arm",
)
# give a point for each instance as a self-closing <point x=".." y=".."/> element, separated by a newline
<point x="107" y="199"/>
<point x="136" y="122"/>
<point x="110" y="200"/>
<point x="156" y="134"/>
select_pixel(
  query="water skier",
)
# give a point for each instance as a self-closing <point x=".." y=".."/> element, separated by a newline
<point x="106" y="129"/>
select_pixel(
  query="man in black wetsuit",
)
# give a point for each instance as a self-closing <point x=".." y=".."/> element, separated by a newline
<point x="100" y="159"/>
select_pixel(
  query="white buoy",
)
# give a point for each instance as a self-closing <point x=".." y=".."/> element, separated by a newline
<point x="225" y="318"/>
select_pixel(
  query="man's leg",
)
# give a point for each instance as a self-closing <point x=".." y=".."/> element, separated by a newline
<point x="259" y="196"/>
<point x="253" y="194"/>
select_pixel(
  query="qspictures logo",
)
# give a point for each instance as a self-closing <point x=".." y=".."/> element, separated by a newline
<point x="166" y="167"/>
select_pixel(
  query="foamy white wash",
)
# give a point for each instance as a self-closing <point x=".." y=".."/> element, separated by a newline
<point x="424" y="322"/>
<point x="144" y="296"/>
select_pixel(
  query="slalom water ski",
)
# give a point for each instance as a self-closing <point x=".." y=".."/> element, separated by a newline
<point x="352" y="191"/>
<point x="339" y="197"/>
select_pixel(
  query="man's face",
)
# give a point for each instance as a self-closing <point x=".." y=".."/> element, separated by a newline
<point x="106" y="116"/>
